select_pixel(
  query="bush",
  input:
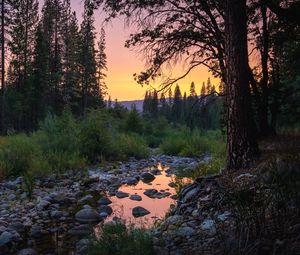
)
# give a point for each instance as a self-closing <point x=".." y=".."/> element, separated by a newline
<point x="194" y="144"/>
<point x="131" y="145"/>
<point x="20" y="155"/>
<point x="97" y="136"/>
<point x="118" y="240"/>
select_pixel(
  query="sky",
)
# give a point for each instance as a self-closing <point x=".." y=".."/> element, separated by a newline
<point x="122" y="62"/>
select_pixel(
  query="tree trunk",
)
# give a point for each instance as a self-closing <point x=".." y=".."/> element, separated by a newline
<point x="241" y="142"/>
<point x="2" y="67"/>
<point x="263" y="109"/>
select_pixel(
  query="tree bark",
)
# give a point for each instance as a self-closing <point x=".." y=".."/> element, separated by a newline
<point x="241" y="142"/>
<point x="3" y="67"/>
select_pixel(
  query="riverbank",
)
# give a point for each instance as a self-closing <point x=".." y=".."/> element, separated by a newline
<point x="66" y="209"/>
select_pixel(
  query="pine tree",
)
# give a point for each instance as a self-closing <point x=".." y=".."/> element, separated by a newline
<point x="89" y="85"/>
<point x="70" y="60"/>
<point x="177" y="105"/>
<point x="203" y="89"/>
<point x="101" y="64"/>
<point x="40" y="90"/>
<point x="23" y="24"/>
<point x="154" y="105"/>
<point x="52" y="27"/>
<point x="193" y="90"/>
<point x="208" y="86"/>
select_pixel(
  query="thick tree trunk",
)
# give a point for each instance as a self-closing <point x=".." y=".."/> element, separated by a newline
<point x="241" y="142"/>
<point x="263" y="109"/>
<point x="2" y="67"/>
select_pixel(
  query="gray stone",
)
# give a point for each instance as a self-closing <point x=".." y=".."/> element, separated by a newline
<point x="185" y="231"/>
<point x="82" y="246"/>
<point x="88" y="216"/>
<point x="27" y="252"/>
<point x="139" y="211"/>
<point x="131" y="181"/>
<point x="121" y="194"/>
<point x="85" y="199"/>
<point x="82" y="230"/>
<point x="147" y="177"/>
<point x="106" y="209"/>
<point x="104" y="201"/>
<point x="43" y="204"/>
<point x="208" y="225"/>
<point x="6" y="238"/>
<point x="136" y="197"/>
<point x="150" y="192"/>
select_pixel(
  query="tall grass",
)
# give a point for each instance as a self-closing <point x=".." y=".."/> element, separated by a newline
<point x="194" y="144"/>
<point x="117" y="239"/>
<point x="65" y="143"/>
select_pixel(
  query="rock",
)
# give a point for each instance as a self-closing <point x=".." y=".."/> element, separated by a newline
<point x="147" y="177"/>
<point x="131" y="181"/>
<point x="121" y="194"/>
<point x="185" y="231"/>
<point x="85" y="199"/>
<point x="172" y="185"/>
<point x="136" y="197"/>
<point x="17" y="226"/>
<point x="6" y="238"/>
<point x="104" y="201"/>
<point x="173" y="220"/>
<point x="106" y="209"/>
<point x="139" y="211"/>
<point x="56" y="214"/>
<point x="208" y="225"/>
<point x="155" y="172"/>
<point x="189" y="192"/>
<point x="88" y="216"/>
<point x="82" y="246"/>
<point x="224" y="216"/>
<point x="43" y="204"/>
<point x="150" y="192"/>
<point x="27" y="252"/>
<point x="81" y="230"/>
<point x="11" y="197"/>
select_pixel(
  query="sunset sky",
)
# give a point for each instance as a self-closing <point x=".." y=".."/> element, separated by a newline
<point x="123" y="62"/>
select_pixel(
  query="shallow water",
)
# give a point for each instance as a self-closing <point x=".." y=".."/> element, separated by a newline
<point x="158" y="207"/>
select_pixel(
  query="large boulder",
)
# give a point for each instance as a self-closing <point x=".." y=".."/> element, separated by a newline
<point x="147" y="177"/>
<point x="139" y="211"/>
<point x="88" y="215"/>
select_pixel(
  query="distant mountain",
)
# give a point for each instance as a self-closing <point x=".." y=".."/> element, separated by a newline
<point x="128" y="104"/>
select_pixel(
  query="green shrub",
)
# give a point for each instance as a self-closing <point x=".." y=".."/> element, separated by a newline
<point x="203" y="169"/>
<point x="118" y="240"/>
<point x="134" y="122"/>
<point x="131" y="145"/>
<point x="97" y="136"/>
<point x="20" y="155"/>
<point x="194" y="144"/>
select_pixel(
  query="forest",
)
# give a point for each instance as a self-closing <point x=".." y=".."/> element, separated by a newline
<point x="214" y="170"/>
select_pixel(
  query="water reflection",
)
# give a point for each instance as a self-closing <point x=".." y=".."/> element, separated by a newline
<point x="158" y="207"/>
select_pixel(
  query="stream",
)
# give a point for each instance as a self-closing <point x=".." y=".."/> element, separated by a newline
<point x="65" y="211"/>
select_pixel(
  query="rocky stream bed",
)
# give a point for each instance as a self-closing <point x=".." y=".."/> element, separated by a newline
<point x="65" y="210"/>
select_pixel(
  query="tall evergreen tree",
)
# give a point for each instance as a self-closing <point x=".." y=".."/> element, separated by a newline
<point x="203" y="89"/>
<point x="89" y="85"/>
<point x="177" y="105"/>
<point x="101" y="59"/>
<point x="23" y="24"/>
<point x="208" y="86"/>
<point x="70" y="60"/>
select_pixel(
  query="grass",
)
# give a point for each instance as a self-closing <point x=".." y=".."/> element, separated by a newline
<point x="65" y="143"/>
<point x="117" y="239"/>
<point x="194" y="144"/>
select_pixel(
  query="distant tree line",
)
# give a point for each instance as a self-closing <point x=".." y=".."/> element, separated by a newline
<point x="50" y="63"/>
<point x="202" y="111"/>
